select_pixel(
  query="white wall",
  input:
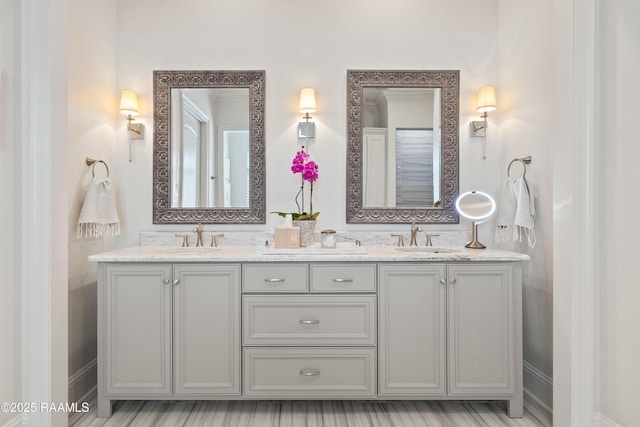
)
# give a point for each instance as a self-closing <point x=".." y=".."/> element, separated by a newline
<point x="525" y="109"/>
<point x="92" y="110"/>
<point x="620" y="293"/>
<point x="9" y="214"/>
<point x="302" y="44"/>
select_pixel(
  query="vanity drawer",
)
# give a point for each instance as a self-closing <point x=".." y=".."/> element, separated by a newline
<point x="274" y="278"/>
<point x="309" y="372"/>
<point x="309" y="320"/>
<point x="343" y="278"/>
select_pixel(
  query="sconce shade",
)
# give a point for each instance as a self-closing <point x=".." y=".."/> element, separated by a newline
<point x="486" y="99"/>
<point x="307" y="100"/>
<point x="129" y="103"/>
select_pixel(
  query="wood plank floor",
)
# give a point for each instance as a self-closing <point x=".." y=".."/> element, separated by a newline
<point x="304" y="414"/>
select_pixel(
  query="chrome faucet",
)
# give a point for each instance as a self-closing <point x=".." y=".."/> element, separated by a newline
<point x="198" y="230"/>
<point x="414" y="232"/>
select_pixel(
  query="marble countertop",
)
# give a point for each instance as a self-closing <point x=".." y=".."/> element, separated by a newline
<point x="344" y="253"/>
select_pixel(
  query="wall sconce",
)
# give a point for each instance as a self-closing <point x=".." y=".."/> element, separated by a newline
<point x="486" y="103"/>
<point x="129" y="107"/>
<point x="307" y="129"/>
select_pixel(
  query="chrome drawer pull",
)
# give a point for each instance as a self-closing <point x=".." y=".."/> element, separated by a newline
<point x="343" y="280"/>
<point x="309" y="373"/>
<point x="273" y="280"/>
<point x="310" y="322"/>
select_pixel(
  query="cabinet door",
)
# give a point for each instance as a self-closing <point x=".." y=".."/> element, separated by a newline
<point x="206" y="329"/>
<point x="412" y="329"/>
<point x="138" y="328"/>
<point x="481" y="321"/>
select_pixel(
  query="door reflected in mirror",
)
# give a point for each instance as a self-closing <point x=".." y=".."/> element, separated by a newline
<point x="210" y="148"/>
<point x="401" y="147"/>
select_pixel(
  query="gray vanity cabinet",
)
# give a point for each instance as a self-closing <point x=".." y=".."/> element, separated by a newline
<point x="136" y="326"/>
<point x="412" y="336"/>
<point x="481" y="321"/>
<point x="452" y="331"/>
<point x="206" y="329"/>
<point x="318" y="341"/>
<point x="167" y="330"/>
<point x="444" y="330"/>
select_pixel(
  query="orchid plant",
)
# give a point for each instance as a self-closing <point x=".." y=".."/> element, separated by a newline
<point x="308" y="170"/>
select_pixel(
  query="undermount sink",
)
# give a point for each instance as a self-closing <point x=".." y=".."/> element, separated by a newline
<point x="191" y="250"/>
<point x="427" y="249"/>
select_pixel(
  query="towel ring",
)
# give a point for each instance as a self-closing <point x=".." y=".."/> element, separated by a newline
<point x="93" y="162"/>
<point x="525" y="160"/>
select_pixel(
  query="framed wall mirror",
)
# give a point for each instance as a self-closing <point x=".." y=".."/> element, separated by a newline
<point x="209" y="148"/>
<point x="402" y="148"/>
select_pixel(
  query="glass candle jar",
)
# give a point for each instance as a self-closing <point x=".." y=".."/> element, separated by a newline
<point x="328" y="239"/>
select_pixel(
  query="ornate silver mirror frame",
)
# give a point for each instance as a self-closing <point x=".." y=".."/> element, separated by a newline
<point x="163" y="82"/>
<point x="448" y="82"/>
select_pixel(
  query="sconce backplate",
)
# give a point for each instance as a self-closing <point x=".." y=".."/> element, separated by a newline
<point x="477" y="128"/>
<point x="306" y="131"/>
<point x="135" y="130"/>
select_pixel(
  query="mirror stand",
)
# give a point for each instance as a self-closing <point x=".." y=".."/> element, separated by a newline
<point x="474" y="243"/>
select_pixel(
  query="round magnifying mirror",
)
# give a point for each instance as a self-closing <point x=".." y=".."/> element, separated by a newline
<point x="478" y="207"/>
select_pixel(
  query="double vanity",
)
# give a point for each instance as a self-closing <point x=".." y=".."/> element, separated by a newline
<point x="377" y="322"/>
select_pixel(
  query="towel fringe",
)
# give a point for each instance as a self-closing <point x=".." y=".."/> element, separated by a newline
<point x="515" y="233"/>
<point x="92" y="229"/>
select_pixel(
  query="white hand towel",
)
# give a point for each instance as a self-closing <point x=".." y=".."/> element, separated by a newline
<point x="98" y="216"/>
<point x="516" y="212"/>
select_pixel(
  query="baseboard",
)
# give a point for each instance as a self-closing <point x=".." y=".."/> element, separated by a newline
<point x="601" y="420"/>
<point x="539" y="410"/>
<point x="82" y="384"/>
<point x="16" y="422"/>
<point x="538" y="393"/>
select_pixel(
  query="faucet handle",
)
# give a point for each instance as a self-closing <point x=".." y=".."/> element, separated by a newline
<point x="429" y="236"/>
<point x="400" y="238"/>
<point x="185" y="240"/>
<point x="214" y="239"/>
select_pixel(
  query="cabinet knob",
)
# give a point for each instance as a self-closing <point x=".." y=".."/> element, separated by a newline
<point x="166" y="281"/>
<point x="175" y="282"/>
<point x="309" y="372"/>
<point x="310" y="322"/>
<point x="453" y="281"/>
<point x="442" y="281"/>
